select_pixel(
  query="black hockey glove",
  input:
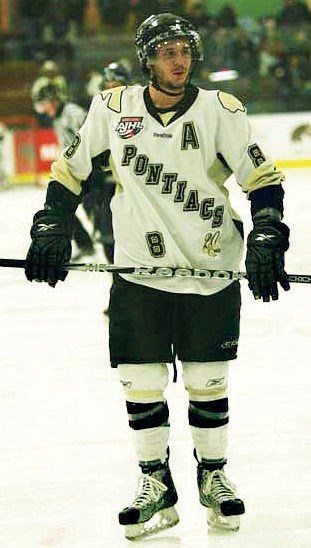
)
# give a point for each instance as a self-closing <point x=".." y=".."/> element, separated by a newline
<point x="51" y="237"/>
<point x="266" y="245"/>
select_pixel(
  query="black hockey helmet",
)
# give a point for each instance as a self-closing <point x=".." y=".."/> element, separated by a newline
<point x="162" y="27"/>
<point x="49" y="92"/>
<point x="118" y="72"/>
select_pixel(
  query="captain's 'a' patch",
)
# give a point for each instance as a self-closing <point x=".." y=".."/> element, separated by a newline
<point x="69" y="152"/>
<point x="230" y="102"/>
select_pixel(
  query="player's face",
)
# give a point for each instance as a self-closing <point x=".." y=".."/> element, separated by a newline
<point x="109" y="84"/>
<point x="171" y="64"/>
<point x="47" y="107"/>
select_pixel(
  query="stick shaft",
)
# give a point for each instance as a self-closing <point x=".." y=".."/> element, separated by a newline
<point x="156" y="272"/>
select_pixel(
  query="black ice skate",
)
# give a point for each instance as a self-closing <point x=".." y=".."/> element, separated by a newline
<point x="218" y="494"/>
<point x="153" y="507"/>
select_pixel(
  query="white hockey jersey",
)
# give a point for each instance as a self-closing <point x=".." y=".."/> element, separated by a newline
<point x="68" y="123"/>
<point x="171" y="207"/>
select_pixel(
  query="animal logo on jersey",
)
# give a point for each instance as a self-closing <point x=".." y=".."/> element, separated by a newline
<point x="129" y="126"/>
<point x="211" y="245"/>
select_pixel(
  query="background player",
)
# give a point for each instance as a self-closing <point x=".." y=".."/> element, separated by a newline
<point x="103" y="184"/>
<point x="66" y="117"/>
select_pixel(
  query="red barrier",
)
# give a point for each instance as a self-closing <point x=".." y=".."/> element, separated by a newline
<point x="24" y="151"/>
<point x="46" y="149"/>
<point x="34" y="151"/>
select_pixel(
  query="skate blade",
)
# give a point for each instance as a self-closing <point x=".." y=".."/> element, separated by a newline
<point x="163" y="519"/>
<point x="219" y="521"/>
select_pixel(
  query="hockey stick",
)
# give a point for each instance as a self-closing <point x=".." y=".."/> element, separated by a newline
<point x="157" y="272"/>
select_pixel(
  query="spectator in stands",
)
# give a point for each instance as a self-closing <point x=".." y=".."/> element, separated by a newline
<point x="219" y="50"/>
<point x="138" y="10"/>
<point x="116" y="13"/>
<point x="2" y="48"/>
<point x="269" y="49"/>
<point x="92" y="22"/>
<point x="293" y="12"/>
<point x="227" y="17"/>
<point x="199" y="16"/>
<point x="75" y="10"/>
<point x="172" y="6"/>
<point x="220" y="45"/>
<point x="245" y="53"/>
<point x="32" y="13"/>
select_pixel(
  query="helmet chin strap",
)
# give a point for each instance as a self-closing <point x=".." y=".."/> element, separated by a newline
<point x="157" y="86"/>
<point x="169" y="93"/>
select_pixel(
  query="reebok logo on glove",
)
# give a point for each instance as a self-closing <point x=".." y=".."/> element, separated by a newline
<point x="43" y="227"/>
<point x="263" y="237"/>
<point x="266" y="244"/>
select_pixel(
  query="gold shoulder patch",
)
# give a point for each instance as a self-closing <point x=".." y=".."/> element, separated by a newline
<point x="113" y="97"/>
<point x="230" y="102"/>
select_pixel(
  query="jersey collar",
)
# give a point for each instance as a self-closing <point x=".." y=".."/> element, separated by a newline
<point x="180" y="108"/>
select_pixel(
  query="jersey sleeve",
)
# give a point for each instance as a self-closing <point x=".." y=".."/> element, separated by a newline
<point x="77" y="117"/>
<point x="75" y="162"/>
<point x="251" y="166"/>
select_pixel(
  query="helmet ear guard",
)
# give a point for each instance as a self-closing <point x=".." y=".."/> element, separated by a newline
<point x="164" y="27"/>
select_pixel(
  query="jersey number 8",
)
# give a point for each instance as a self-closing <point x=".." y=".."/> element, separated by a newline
<point x="155" y="243"/>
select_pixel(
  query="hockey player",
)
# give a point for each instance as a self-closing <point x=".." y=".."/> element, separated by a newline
<point x="66" y="118"/>
<point x="114" y="75"/>
<point x="171" y="147"/>
<point x="50" y="74"/>
<point x="117" y="74"/>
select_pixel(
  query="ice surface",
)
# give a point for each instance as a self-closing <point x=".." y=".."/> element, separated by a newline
<point x="67" y="465"/>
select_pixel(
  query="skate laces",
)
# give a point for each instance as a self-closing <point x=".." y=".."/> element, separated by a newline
<point x="149" y="490"/>
<point x="218" y="486"/>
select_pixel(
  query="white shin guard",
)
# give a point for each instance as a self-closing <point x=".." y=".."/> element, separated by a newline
<point x="145" y="384"/>
<point x="207" y="384"/>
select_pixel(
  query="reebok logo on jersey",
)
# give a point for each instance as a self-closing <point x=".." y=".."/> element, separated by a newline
<point x="163" y="135"/>
<point x="129" y="126"/>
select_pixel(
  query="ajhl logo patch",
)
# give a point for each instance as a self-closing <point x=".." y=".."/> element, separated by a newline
<point x="129" y="126"/>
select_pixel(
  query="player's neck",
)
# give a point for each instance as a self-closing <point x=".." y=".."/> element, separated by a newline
<point x="161" y="100"/>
